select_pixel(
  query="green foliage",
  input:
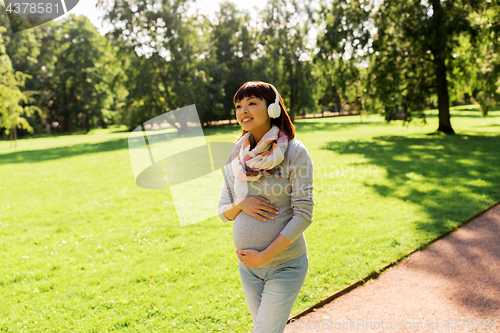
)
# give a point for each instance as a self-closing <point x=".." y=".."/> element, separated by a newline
<point x="11" y="95"/>
<point x="343" y="80"/>
<point x="477" y="61"/>
<point x="234" y="44"/>
<point x="79" y="72"/>
<point x="401" y="75"/>
<point x="167" y="74"/>
<point x="398" y="59"/>
<point x="284" y="40"/>
<point x="410" y="54"/>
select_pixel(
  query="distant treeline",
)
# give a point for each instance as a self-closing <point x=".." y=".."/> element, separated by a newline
<point x="397" y="59"/>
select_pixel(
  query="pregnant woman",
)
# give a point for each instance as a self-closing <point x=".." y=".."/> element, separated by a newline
<point x="268" y="193"/>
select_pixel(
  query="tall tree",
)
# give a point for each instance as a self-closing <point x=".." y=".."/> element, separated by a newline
<point x="401" y="73"/>
<point x="341" y="50"/>
<point x="286" y="60"/>
<point x="234" y="42"/>
<point x="12" y="97"/>
<point x="411" y="56"/>
<point x="23" y="51"/>
<point x="477" y="69"/>
<point x="76" y="66"/>
<point x="170" y="44"/>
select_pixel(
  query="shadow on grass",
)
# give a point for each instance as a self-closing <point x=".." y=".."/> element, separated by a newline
<point x="490" y="125"/>
<point x="312" y="126"/>
<point x="468" y="115"/>
<point x="471" y="267"/>
<point x="53" y="134"/>
<point x="467" y="161"/>
<point x="41" y="155"/>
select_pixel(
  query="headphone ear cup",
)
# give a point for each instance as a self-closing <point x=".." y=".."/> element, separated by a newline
<point x="274" y="110"/>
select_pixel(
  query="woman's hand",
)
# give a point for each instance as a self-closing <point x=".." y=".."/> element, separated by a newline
<point x="252" y="258"/>
<point x="258" y="207"/>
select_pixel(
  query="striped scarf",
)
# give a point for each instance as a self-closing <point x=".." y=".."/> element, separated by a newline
<point x="267" y="154"/>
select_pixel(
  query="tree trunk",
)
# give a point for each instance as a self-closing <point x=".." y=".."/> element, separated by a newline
<point x="338" y="103"/>
<point x="87" y="124"/>
<point x="181" y="119"/>
<point x="439" y="25"/>
<point x="291" y="110"/>
<point x="293" y="92"/>
<point x="85" y="103"/>
<point x="443" y="97"/>
<point x="64" y="109"/>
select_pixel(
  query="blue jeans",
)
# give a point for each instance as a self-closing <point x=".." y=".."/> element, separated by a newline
<point x="271" y="292"/>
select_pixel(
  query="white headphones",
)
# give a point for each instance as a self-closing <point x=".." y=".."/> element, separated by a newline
<point x="274" y="109"/>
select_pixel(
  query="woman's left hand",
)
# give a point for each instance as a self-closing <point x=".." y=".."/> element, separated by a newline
<point x="251" y="258"/>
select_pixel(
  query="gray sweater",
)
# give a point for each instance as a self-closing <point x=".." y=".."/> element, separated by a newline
<point x="292" y="194"/>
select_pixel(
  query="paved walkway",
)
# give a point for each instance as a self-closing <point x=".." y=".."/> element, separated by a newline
<point x="456" y="278"/>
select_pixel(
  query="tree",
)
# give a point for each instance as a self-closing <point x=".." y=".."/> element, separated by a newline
<point x="164" y="76"/>
<point x="477" y="70"/>
<point x="341" y="51"/>
<point x="234" y="43"/>
<point x="411" y="56"/>
<point x="284" y="39"/>
<point x="11" y="96"/>
<point x="23" y="51"/>
<point x="77" y="68"/>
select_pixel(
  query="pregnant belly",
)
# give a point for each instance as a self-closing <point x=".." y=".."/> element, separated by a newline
<point x="252" y="233"/>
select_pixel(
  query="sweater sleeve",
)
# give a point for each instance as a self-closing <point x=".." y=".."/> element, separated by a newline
<point x="301" y="180"/>
<point x="227" y="192"/>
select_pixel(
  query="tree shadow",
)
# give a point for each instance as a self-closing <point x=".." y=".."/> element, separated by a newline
<point x="469" y="162"/>
<point x="312" y="126"/>
<point x="478" y="115"/>
<point x="469" y="258"/>
<point x="41" y="155"/>
<point x="123" y="130"/>
<point x="487" y="125"/>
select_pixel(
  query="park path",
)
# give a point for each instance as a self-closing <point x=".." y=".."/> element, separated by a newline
<point x="456" y="277"/>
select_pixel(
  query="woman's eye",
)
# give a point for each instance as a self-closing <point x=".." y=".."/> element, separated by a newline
<point x="248" y="104"/>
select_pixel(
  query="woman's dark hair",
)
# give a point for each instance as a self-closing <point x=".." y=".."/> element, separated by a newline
<point x="264" y="91"/>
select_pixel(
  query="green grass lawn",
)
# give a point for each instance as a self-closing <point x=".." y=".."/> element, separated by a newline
<point x="84" y="249"/>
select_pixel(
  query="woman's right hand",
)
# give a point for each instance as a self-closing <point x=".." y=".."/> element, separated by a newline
<point x="258" y="207"/>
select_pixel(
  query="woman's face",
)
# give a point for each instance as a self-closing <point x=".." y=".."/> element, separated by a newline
<point x="251" y="113"/>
